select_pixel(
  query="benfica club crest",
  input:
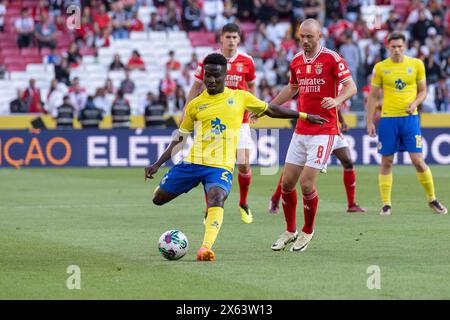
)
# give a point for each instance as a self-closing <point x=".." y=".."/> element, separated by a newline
<point x="318" y="68"/>
<point x="228" y="67"/>
<point x="239" y="67"/>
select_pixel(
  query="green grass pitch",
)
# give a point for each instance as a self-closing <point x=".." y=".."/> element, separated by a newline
<point x="103" y="221"/>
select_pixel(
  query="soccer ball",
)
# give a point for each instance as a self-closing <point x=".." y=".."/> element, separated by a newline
<point x="173" y="244"/>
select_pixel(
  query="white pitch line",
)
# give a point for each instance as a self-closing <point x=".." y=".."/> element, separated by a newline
<point x="72" y="206"/>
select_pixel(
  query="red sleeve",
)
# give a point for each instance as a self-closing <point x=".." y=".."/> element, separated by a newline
<point x="199" y="72"/>
<point x="340" y="69"/>
<point x="251" y="75"/>
<point x="293" y="77"/>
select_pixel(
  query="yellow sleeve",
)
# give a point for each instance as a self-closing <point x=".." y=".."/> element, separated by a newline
<point x="420" y="70"/>
<point x="377" y="79"/>
<point x="187" y="126"/>
<point x="253" y="104"/>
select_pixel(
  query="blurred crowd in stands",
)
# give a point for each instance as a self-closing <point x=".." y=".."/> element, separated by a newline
<point x="268" y="36"/>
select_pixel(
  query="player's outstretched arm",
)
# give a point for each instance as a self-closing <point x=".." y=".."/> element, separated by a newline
<point x="285" y="113"/>
<point x="171" y="150"/>
<point x="285" y="95"/>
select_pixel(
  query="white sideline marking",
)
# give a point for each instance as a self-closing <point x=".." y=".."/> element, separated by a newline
<point x="70" y="206"/>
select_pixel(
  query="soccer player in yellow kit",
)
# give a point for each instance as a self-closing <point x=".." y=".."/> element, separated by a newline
<point x="403" y="82"/>
<point x="216" y="118"/>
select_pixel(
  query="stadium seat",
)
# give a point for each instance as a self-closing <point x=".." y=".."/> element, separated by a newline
<point x="29" y="52"/>
<point x="202" y="38"/>
<point x="177" y="44"/>
<point x="32" y="59"/>
<point x="172" y="35"/>
<point x="45" y="52"/>
<point x="10" y="52"/>
<point x="13" y="60"/>
<point x="116" y="75"/>
<point x="87" y="51"/>
<point x="29" y="3"/>
<point x="94" y="68"/>
<point x="137" y="75"/>
<point x="99" y="75"/>
<point x="63" y="42"/>
<point x="106" y="50"/>
<point x="202" y="51"/>
<point x="36" y="67"/>
<point x="247" y="27"/>
<point x="15" y="4"/>
<point x="20" y="84"/>
<point x="142" y="36"/>
<point x="13" y="66"/>
<point x="158" y="35"/>
<point x="13" y="11"/>
<point x="42" y="84"/>
<point x="20" y="75"/>
<point x="8" y="38"/>
<point x="89" y="59"/>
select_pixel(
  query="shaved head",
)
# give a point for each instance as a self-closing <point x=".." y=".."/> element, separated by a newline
<point x="311" y="25"/>
<point x="310" y="33"/>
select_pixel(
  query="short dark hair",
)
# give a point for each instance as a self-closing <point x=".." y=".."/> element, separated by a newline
<point x="231" y="27"/>
<point x="396" y="35"/>
<point x="215" y="58"/>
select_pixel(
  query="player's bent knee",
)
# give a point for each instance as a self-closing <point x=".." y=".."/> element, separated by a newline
<point x="244" y="168"/>
<point x="419" y="164"/>
<point x="387" y="162"/>
<point x="158" y="201"/>
<point x="306" y="185"/>
<point x="216" y="197"/>
<point x="347" y="164"/>
<point x="160" y="198"/>
<point x="287" y="186"/>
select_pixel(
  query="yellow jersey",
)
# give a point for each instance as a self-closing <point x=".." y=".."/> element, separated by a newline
<point x="216" y="121"/>
<point x="399" y="84"/>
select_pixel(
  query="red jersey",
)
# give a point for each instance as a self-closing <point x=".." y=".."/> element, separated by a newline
<point x="240" y="71"/>
<point x="317" y="78"/>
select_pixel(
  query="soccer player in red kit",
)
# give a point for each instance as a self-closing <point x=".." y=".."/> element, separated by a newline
<point x="315" y="73"/>
<point x="241" y="75"/>
<point x="342" y="153"/>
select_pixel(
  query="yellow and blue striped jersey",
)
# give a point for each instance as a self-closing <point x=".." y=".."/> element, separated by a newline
<point x="216" y="121"/>
<point x="399" y="84"/>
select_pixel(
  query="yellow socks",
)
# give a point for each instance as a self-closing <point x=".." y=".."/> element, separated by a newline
<point x="385" y="185"/>
<point x="426" y="180"/>
<point x="212" y="226"/>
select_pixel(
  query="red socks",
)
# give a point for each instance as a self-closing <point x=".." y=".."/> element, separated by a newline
<point x="244" y="184"/>
<point x="277" y="194"/>
<point x="310" y="202"/>
<point x="350" y="186"/>
<point x="289" y="200"/>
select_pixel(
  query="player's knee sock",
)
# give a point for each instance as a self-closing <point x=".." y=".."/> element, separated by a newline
<point x="277" y="194"/>
<point x="310" y="202"/>
<point x="350" y="186"/>
<point x="289" y="200"/>
<point x="426" y="180"/>
<point x="244" y="184"/>
<point x="212" y="226"/>
<point x="385" y="185"/>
